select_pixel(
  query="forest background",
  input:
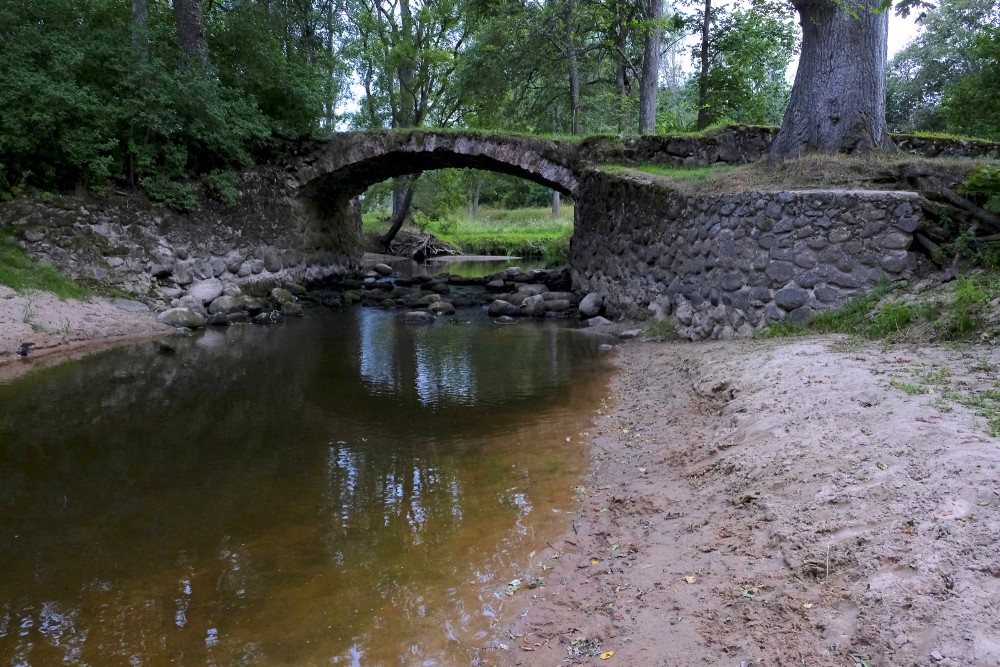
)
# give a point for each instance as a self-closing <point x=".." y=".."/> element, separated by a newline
<point x="178" y="98"/>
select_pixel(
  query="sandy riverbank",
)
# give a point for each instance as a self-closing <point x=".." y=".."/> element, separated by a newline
<point x="777" y="503"/>
<point x="66" y="327"/>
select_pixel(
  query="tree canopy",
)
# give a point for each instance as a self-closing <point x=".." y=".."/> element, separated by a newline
<point x="166" y="94"/>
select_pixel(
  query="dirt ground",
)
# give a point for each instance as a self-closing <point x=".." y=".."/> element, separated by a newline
<point x="59" y="328"/>
<point x="799" y="502"/>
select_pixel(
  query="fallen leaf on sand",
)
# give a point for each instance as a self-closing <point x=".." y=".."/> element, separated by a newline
<point x="594" y="561"/>
<point x="690" y="580"/>
<point x="607" y="654"/>
<point x="807" y="605"/>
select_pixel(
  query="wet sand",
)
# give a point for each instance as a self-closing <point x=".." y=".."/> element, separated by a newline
<point x="777" y="503"/>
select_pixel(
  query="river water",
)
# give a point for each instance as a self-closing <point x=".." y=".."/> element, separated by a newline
<point x="341" y="489"/>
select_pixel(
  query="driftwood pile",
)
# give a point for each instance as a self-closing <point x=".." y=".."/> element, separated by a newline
<point x="419" y="246"/>
<point x="957" y="222"/>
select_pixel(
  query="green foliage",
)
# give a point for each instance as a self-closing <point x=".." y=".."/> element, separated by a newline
<point x="985" y="183"/>
<point x="222" y="185"/>
<point x="80" y="105"/>
<point x="969" y="104"/>
<point x="946" y="80"/>
<point x="21" y="273"/>
<point x="175" y="194"/>
<point x="749" y="51"/>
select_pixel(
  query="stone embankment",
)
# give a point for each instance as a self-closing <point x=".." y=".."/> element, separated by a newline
<point x="125" y="242"/>
<point x="723" y="266"/>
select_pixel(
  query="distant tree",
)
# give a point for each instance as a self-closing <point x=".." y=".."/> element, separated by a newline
<point x="971" y="104"/>
<point x="743" y="65"/>
<point x="952" y="43"/>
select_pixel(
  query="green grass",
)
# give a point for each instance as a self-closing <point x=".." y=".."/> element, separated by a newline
<point x="525" y="232"/>
<point x="955" y="313"/>
<point x="21" y="273"/>
<point x="690" y="174"/>
<point x="944" y="136"/>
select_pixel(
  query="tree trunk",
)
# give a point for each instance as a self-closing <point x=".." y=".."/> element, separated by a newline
<point x="406" y="70"/>
<point x="474" y="206"/>
<point x="555" y="204"/>
<point x="191" y="31"/>
<point x="621" y="87"/>
<point x="650" y="78"/>
<point x="838" y="98"/>
<point x="140" y="33"/>
<point x="706" y="29"/>
<point x="573" y="67"/>
<point x="402" y="199"/>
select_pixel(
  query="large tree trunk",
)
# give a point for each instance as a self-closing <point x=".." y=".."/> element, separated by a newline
<point x="650" y="78"/>
<point x="706" y="31"/>
<point x="140" y="33"/>
<point x="838" y="98"/>
<point x="191" y="31"/>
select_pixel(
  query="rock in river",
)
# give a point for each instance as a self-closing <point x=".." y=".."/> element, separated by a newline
<point x="503" y="308"/>
<point x="591" y="305"/>
<point x="181" y="317"/>
<point x="418" y="317"/>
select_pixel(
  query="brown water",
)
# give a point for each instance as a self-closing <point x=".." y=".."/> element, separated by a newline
<point x="338" y="490"/>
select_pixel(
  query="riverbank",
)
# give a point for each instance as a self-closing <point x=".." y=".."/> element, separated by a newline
<point x="57" y="326"/>
<point x="793" y="502"/>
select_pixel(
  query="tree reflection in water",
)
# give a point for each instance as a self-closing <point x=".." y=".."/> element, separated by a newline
<point x="339" y="486"/>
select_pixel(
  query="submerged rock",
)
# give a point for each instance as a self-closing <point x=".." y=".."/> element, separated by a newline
<point x="442" y="308"/>
<point x="272" y="317"/>
<point x="418" y="317"/>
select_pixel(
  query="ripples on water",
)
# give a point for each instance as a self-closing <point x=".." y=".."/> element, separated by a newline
<point x="341" y="489"/>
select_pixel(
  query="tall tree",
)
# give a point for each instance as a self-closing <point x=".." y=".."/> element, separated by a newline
<point x="191" y="31"/>
<point x="140" y="32"/>
<point x="407" y="52"/>
<point x="706" y="44"/>
<point x="650" y="82"/>
<point x="837" y="102"/>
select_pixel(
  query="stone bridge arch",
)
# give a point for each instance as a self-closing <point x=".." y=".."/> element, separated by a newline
<point x="329" y="178"/>
<point x="347" y="164"/>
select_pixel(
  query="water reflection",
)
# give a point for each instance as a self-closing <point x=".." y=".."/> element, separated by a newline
<point x="341" y="490"/>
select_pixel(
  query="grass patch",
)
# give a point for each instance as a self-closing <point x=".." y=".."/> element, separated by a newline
<point x="22" y="273"/>
<point x="524" y="232"/>
<point x="688" y="174"/>
<point x="986" y="404"/>
<point x="660" y="329"/>
<point x="958" y="311"/>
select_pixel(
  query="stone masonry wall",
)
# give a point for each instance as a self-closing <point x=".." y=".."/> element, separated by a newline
<point x="725" y="265"/>
<point x="146" y="249"/>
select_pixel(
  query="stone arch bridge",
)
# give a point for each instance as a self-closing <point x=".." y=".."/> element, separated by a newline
<point x="348" y="163"/>
<point x="720" y="265"/>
